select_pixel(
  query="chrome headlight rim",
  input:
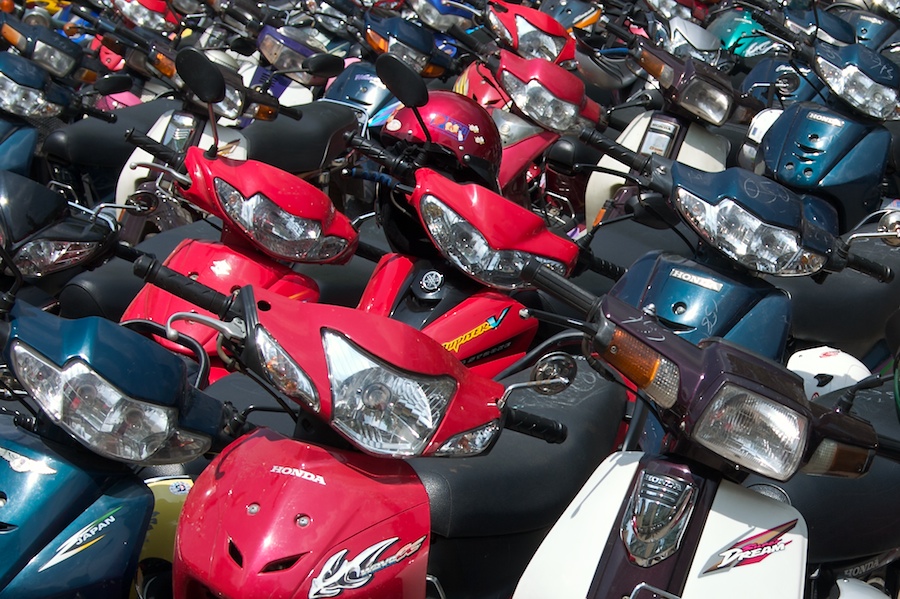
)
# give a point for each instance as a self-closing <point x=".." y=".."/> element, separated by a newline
<point x="434" y="18"/>
<point x="416" y="59"/>
<point x="440" y="221"/>
<point x="382" y="409"/>
<point x="264" y="221"/>
<point x="78" y="413"/>
<point x="705" y="219"/>
<point x="52" y="59"/>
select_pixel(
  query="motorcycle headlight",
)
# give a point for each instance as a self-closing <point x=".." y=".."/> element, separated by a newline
<point x="534" y="43"/>
<point x="281" y="233"/>
<point x="382" y="409"/>
<point x="45" y="256"/>
<point x="753" y="431"/>
<point x="707" y="101"/>
<point x="58" y="63"/>
<point x="891" y="6"/>
<point x="284" y="58"/>
<point x="417" y="60"/>
<point x="100" y="416"/>
<point x="434" y="18"/>
<point x="468" y="250"/>
<point x="142" y="16"/>
<point x="25" y="101"/>
<point x="232" y="106"/>
<point x="746" y="239"/>
<point x="859" y="90"/>
<point x="670" y="9"/>
<point x="540" y="104"/>
<point x="284" y="372"/>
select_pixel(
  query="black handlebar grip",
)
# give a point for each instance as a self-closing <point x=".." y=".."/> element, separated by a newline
<point x="104" y="115"/>
<point x="467" y="39"/>
<point x="533" y="425"/>
<point x="401" y="168"/>
<point x="171" y="157"/>
<point x="152" y="271"/>
<point x="84" y="13"/>
<point x="348" y="7"/>
<point x="628" y="157"/>
<point x="869" y="267"/>
<point x="606" y="268"/>
<point x="559" y="287"/>
<point x="293" y="112"/>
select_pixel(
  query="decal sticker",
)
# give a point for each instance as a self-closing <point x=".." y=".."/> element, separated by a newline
<point x="20" y="463"/>
<point x="490" y="324"/>
<point x="431" y="281"/>
<point x="340" y="574"/>
<point x="751" y="550"/>
<point x="446" y="124"/>
<point x="299" y="473"/>
<point x="220" y="268"/>
<point x="393" y="125"/>
<point x="82" y="539"/>
<point x="179" y="488"/>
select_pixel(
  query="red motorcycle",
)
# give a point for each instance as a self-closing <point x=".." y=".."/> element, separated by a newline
<point x="392" y="423"/>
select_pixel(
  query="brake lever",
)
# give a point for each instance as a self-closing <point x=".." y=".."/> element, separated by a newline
<point x="232" y="330"/>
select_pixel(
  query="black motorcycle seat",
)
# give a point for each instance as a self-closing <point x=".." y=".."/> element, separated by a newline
<point x="524" y="484"/>
<point x="849" y="310"/>
<point x="305" y="145"/>
<point x="93" y="142"/>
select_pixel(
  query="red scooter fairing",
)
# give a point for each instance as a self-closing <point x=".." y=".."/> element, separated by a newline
<point x="290" y="193"/>
<point x="505" y="226"/>
<point x="227" y="539"/>
<point x="242" y="258"/>
<point x="509" y="15"/>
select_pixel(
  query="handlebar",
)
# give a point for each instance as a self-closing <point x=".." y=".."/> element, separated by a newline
<point x="871" y="268"/>
<point x="152" y="271"/>
<point x="402" y="169"/>
<point x="560" y="287"/>
<point x="171" y="157"/>
<point x="104" y="115"/>
<point x="536" y="426"/>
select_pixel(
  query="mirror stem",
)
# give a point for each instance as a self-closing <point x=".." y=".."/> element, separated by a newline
<point x="213" y="150"/>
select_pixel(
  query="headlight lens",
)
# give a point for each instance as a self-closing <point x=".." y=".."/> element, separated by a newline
<point x="499" y="29"/>
<point x="284" y="372"/>
<point x="142" y="16"/>
<point x="469" y="251"/>
<point x="281" y="233"/>
<point x="753" y="431"/>
<point x="707" y="101"/>
<point x="540" y="104"/>
<point x="44" y="256"/>
<point x="100" y="416"/>
<point x="25" y="101"/>
<point x="746" y="239"/>
<point x="58" y="63"/>
<point x="670" y="9"/>
<point x="232" y="106"/>
<point x="384" y="410"/>
<point x="860" y="91"/>
<point x="432" y="17"/>
<point x="534" y="43"/>
<point x="284" y="58"/>
<point x="417" y="60"/>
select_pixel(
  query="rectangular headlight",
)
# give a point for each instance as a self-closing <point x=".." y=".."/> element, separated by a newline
<point x="753" y="431"/>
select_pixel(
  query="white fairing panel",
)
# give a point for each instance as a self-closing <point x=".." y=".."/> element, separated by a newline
<point x="231" y="144"/>
<point x="751" y="547"/>
<point x="567" y="559"/>
<point x="700" y="149"/>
